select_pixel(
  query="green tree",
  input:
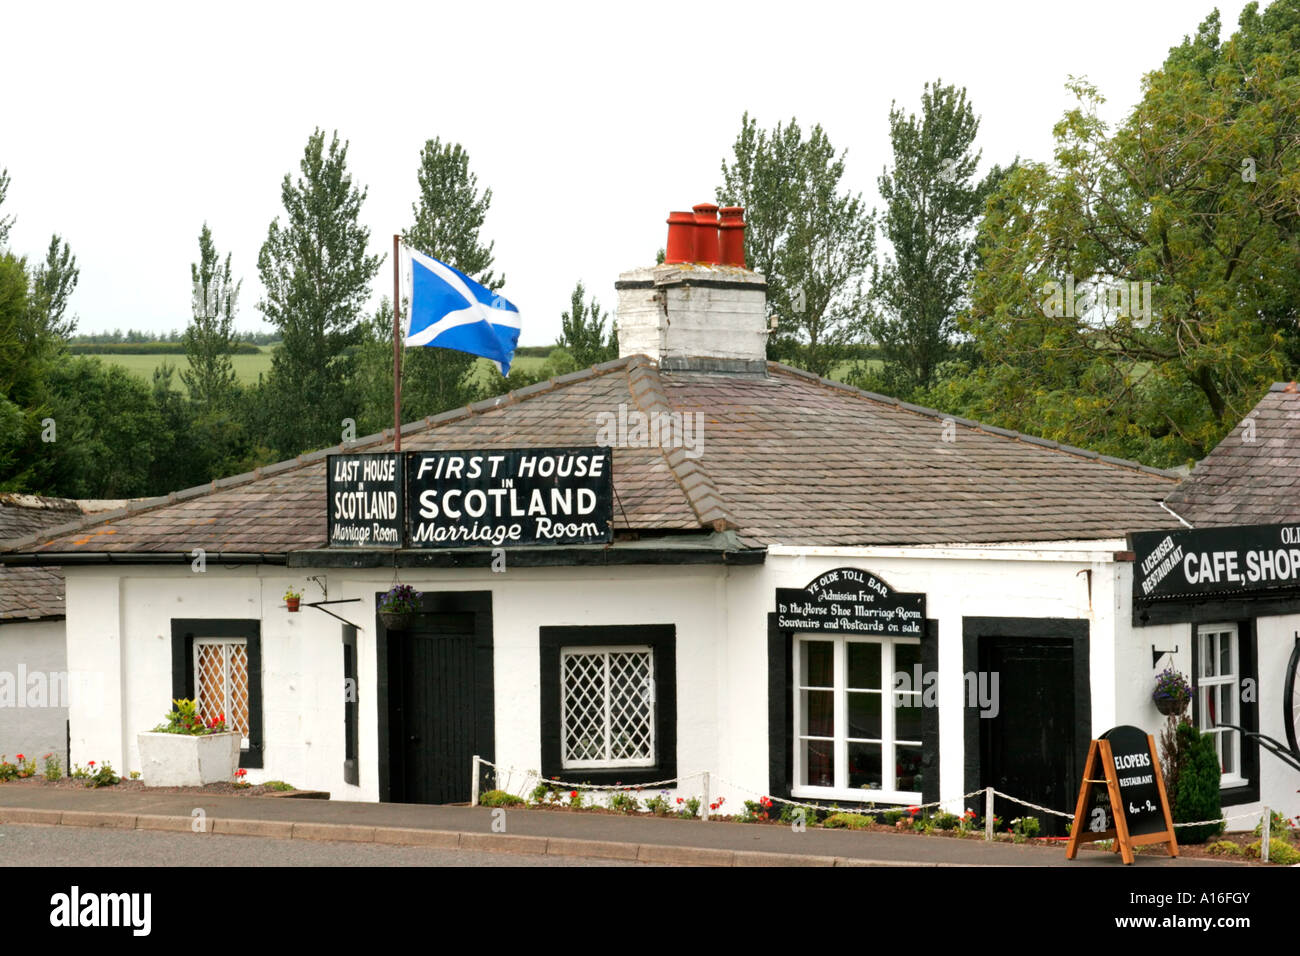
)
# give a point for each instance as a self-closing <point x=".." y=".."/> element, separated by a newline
<point x="317" y="277"/>
<point x="1191" y="208"/>
<point x="811" y="239"/>
<point x="53" y="282"/>
<point x="449" y="218"/>
<point x="210" y="338"/>
<point x="583" y="332"/>
<point x="932" y="203"/>
<point x="6" y="222"/>
<point x="450" y="212"/>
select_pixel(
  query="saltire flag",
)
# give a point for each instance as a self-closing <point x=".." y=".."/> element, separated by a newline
<point x="449" y="310"/>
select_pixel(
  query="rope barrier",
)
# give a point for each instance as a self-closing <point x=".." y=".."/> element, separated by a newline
<point x="569" y="785"/>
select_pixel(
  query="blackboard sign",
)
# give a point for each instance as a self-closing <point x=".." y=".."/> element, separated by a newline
<point x="850" y="601"/>
<point x="1197" y="562"/>
<point x="1122" y="795"/>
<point x="501" y="498"/>
<point x="1135" y="770"/>
<point x="364" y="501"/>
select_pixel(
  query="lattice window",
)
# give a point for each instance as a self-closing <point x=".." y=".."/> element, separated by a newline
<point x="221" y="681"/>
<point x="1219" y="687"/>
<point x="608" y="709"/>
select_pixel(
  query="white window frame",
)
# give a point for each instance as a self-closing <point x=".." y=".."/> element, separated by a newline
<point x="609" y="763"/>
<point x="1205" y="635"/>
<point x="226" y="707"/>
<point x="888" y="742"/>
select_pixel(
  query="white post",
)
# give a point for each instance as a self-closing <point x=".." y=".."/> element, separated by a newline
<point x="704" y="807"/>
<point x="988" y="813"/>
<point x="1265" y="834"/>
<point x="473" y="784"/>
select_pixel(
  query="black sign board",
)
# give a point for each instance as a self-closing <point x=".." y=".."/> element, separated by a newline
<point x="1199" y="562"/>
<point x="1122" y="795"/>
<point x="364" y="501"/>
<point x="850" y="601"/>
<point x="497" y="498"/>
<point x="1135" y="769"/>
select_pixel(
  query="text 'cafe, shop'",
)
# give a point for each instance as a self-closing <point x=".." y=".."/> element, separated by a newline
<point x="826" y="595"/>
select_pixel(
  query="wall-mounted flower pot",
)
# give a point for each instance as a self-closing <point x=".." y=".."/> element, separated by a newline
<point x="292" y="604"/>
<point x="396" y="620"/>
<point x="188" y="760"/>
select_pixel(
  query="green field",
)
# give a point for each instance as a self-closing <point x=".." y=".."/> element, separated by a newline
<point x="248" y="367"/>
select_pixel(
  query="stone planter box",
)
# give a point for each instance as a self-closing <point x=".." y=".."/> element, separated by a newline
<point x="183" y="760"/>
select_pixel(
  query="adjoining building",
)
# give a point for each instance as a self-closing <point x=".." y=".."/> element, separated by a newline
<point x="1222" y="595"/>
<point x="34" y="681"/>
<point x="807" y="590"/>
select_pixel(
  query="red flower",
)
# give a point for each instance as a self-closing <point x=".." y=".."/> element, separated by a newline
<point x="20" y="756"/>
<point x="92" y="763"/>
<point x="573" y="794"/>
<point x="680" y="800"/>
<point x="913" y="810"/>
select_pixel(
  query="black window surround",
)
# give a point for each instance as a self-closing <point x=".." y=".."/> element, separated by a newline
<point x="1247" y="665"/>
<point x="780" y="716"/>
<point x="662" y="639"/>
<point x="184" y="631"/>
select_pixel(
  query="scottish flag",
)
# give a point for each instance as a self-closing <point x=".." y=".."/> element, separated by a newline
<point x="449" y="310"/>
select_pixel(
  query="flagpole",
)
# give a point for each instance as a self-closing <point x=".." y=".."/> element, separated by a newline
<point x="397" y="348"/>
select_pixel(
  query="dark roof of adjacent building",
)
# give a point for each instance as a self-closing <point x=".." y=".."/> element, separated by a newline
<point x="787" y="458"/>
<point x="32" y="593"/>
<point x="1253" y="475"/>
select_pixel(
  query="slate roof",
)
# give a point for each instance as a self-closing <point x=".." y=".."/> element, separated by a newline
<point x="1249" y="478"/>
<point x="32" y="593"/>
<point x="787" y="459"/>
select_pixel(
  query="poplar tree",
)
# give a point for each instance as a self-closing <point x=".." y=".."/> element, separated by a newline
<point x="317" y="277"/>
<point x="53" y="282"/>
<point x="583" y="331"/>
<point x="933" y="202"/>
<point x="811" y="238"/>
<point x="449" y="217"/>
<point x="210" y="337"/>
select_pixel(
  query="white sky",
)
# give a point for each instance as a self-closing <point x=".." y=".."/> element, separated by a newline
<point x="125" y="126"/>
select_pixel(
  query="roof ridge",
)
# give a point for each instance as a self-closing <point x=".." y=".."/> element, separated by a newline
<point x="310" y="458"/>
<point x="980" y="426"/>
<point x="696" y="483"/>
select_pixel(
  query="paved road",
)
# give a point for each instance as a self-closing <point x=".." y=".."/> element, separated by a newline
<point x="88" y="846"/>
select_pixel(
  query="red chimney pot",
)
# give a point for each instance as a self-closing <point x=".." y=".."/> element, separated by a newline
<point x="681" y="238"/>
<point x="731" y="236"/>
<point x="706" y="234"/>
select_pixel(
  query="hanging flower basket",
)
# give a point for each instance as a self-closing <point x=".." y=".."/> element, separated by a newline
<point x="1170" y="706"/>
<point x="396" y="620"/>
<point x="1172" y="693"/>
<point x="398" y="607"/>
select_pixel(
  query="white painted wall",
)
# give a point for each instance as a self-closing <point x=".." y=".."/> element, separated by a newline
<point x="675" y="320"/>
<point x="34" y="690"/>
<point x="119" y="624"/>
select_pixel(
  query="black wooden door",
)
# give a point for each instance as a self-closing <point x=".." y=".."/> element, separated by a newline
<point x="1028" y="747"/>
<point x="432" y="709"/>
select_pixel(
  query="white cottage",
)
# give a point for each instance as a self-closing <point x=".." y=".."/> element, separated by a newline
<point x="781" y="548"/>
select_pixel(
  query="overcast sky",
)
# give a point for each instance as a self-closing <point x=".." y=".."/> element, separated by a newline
<point x="125" y="126"/>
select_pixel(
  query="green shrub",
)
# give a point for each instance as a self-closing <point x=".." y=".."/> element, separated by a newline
<point x="1197" y="797"/>
<point x="1279" y="829"/>
<point x="1279" y="852"/>
<point x="893" y="816"/>
<point x="102" y="776"/>
<point x="279" y="785"/>
<point x="847" y="821"/>
<point x="623" y="802"/>
<point x="1224" y="848"/>
<point x="53" y="769"/>
<point x="499" y="798"/>
<point x="946" y="821"/>
<point x="658" y="805"/>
